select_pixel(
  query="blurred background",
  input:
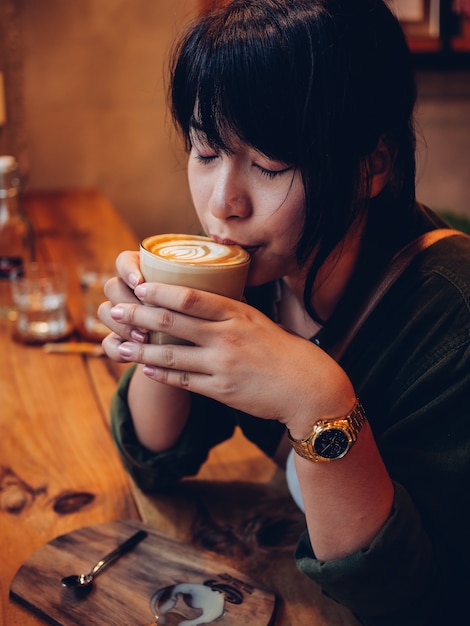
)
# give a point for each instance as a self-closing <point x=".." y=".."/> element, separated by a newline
<point x="83" y="103"/>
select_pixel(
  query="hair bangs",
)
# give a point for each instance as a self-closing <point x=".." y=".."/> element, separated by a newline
<point x="221" y="93"/>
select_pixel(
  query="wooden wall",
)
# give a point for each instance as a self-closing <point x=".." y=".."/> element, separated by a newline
<point x="86" y="102"/>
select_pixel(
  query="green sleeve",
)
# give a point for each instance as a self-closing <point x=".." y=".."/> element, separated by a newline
<point x="379" y="584"/>
<point x="209" y="423"/>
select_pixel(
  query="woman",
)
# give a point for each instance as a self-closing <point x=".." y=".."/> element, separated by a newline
<point x="298" y="120"/>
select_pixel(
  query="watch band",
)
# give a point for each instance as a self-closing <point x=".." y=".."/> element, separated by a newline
<point x="350" y="424"/>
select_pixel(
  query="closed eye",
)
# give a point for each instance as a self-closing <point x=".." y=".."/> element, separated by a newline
<point x="272" y="173"/>
<point x="205" y="159"/>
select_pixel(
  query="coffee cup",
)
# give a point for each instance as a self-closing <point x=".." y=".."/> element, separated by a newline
<point x="193" y="261"/>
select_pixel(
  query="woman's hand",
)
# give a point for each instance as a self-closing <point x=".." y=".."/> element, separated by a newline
<point x="121" y="289"/>
<point x="239" y="356"/>
<point x="156" y="429"/>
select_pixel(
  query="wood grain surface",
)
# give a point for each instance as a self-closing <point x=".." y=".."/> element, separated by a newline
<point x="122" y="593"/>
<point x="60" y="471"/>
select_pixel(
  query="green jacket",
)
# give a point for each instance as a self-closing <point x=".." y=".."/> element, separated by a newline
<point x="410" y="366"/>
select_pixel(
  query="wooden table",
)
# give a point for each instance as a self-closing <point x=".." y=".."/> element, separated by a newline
<point x="59" y="470"/>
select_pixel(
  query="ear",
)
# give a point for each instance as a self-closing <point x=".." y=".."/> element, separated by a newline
<point x="381" y="162"/>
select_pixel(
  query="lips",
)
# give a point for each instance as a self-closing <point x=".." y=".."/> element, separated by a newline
<point x="226" y="242"/>
<point x="230" y="242"/>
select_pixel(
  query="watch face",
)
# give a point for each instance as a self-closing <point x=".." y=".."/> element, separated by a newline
<point x="332" y="443"/>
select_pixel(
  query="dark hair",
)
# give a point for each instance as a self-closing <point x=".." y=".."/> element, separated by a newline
<point x="312" y="83"/>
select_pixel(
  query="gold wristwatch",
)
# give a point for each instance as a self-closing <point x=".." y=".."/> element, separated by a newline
<point x="331" y="439"/>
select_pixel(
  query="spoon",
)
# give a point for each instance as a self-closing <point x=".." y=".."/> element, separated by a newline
<point x="81" y="581"/>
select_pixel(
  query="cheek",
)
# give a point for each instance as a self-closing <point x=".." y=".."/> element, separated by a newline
<point x="199" y="192"/>
<point x="192" y="180"/>
<point x="289" y="219"/>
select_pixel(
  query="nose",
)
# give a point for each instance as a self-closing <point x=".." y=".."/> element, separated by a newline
<point x="230" y="196"/>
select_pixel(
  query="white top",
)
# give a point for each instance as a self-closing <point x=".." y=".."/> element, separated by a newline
<point x="293" y="481"/>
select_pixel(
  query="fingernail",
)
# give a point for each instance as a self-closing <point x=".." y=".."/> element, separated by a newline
<point x="125" y="350"/>
<point x="140" y="291"/>
<point x="138" y="335"/>
<point x="149" y="370"/>
<point x="117" y="313"/>
<point x="133" y="280"/>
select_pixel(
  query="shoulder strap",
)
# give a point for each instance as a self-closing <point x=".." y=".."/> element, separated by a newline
<point x="395" y="268"/>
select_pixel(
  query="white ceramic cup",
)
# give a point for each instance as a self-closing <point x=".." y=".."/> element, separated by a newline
<point x="193" y="261"/>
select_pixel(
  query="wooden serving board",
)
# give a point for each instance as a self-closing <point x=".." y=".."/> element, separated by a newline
<point x="149" y="581"/>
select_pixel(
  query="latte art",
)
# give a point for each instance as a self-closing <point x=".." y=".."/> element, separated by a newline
<point x="195" y="250"/>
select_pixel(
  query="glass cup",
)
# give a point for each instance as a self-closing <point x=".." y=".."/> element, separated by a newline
<point x="193" y="261"/>
<point x="39" y="294"/>
<point x="92" y="280"/>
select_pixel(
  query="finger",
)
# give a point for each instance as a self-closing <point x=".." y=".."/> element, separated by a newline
<point x="122" y="329"/>
<point x="168" y="360"/>
<point x="116" y="290"/>
<point x="127" y="265"/>
<point x="192" y="302"/>
<point x="192" y="377"/>
<point x="154" y="318"/>
<point x="184" y="379"/>
<point x="111" y="345"/>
